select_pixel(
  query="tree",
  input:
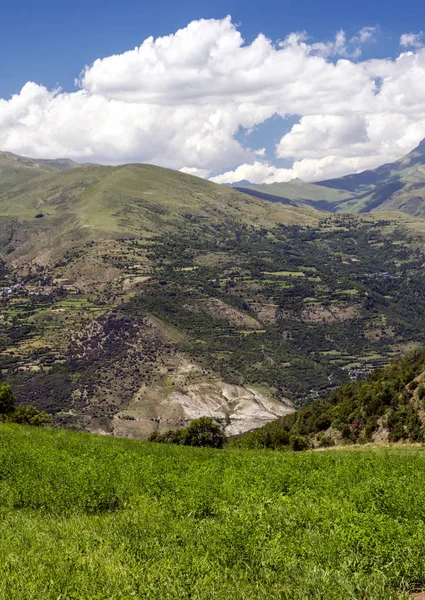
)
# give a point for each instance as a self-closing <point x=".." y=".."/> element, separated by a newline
<point x="203" y="432"/>
<point x="7" y="399"/>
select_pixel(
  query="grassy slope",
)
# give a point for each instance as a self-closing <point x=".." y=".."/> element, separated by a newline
<point x="92" y="202"/>
<point x="137" y="198"/>
<point x="301" y="193"/>
<point x="18" y="170"/>
<point x="86" y="517"/>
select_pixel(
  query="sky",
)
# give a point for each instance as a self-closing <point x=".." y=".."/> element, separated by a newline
<point x="227" y="90"/>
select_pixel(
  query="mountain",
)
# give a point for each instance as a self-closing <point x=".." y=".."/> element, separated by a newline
<point x="76" y="246"/>
<point x="8" y="160"/>
<point x="135" y="298"/>
<point x="387" y="407"/>
<point x="397" y="186"/>
<point x="16" y="170"/>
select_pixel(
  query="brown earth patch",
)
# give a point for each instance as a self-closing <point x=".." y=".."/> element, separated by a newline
<point x="215" y="259"/>
<point x="336" y="313"/>
<point x="266" y="313"/>
<point x="220" y="310"/>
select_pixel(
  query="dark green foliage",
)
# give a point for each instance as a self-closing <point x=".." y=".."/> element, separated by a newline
<point x="28" y="415"/>
<point x="23" y="415"/>
<point x="298" y="442"/>
<point x="202" y="432"/>
<point x="7" y="399"/>
<point x="354" y="410"/>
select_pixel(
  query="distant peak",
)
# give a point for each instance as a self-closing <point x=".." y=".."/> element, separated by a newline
<point x="421" y="146"/>
<point x="241" y="183"/>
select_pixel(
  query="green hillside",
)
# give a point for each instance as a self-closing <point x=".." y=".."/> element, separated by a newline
<point x="387" y="407"/>
<point x="397" y="186"/>
<point x="130" y="198"/>
<point x="298" y="193"/>
<point x="86" y="517"/>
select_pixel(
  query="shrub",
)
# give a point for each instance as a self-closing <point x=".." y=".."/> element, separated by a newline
<point x="23" y="415"/>
<point x="28" y="415"/>
<point x="203" y="432"/>
<point x="397" y="433"/>
<point x="298" y="443"/>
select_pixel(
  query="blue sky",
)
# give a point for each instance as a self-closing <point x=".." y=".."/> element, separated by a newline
<point x="50" y="43"/>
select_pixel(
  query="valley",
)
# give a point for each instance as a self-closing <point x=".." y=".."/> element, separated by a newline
<point x="134" y="299"/>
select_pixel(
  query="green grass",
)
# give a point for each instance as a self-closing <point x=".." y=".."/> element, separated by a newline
<point x="86" y="517"/>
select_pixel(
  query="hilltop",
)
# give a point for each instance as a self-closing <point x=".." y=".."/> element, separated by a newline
<point x="397" y="186"/>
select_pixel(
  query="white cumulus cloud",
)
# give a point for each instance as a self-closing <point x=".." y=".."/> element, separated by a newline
<point x="412" y="40"/>
<point x="365" y="35"/>
<point x="179" y="101"/>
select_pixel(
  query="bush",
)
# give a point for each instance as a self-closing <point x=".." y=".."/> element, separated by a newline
<point x="298" y="443"/>
<point x="201" y="432"/>
<point x="23" y="415"/>
<point x="28" y="415"/>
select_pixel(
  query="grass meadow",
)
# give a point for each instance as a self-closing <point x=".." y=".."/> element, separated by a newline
<point x="88" y="517"/>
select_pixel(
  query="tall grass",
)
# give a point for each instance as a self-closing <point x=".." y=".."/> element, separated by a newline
<point x="85" y="517"/>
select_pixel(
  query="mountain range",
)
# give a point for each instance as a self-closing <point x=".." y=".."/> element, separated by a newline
<point x="397" y="186"/>
<point x="136" y="298"/>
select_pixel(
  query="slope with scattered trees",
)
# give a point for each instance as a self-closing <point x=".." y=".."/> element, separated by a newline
<point x="388" y="406"/>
